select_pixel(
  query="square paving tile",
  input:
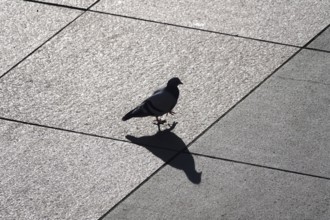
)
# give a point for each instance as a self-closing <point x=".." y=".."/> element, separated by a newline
<point x="24" y="26"/>
<point x="75" y="3"/>
<point x="284" y="123"/>
<point x="51" y="174"/>
<point x="291" y="22"/>
<point x="227" y="191"/>
<point x="102" y="66"/>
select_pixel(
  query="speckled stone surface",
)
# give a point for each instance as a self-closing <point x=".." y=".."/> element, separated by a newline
<point x="227" y="191"/>
<point x="102" y="66"/>
<point x="75" y="3"/>
<point x="51" y="174"/>
<point x="283" y="124"/>
<point x="291" y="22"/>
<point x="322" y="42"/>
<point x="24" y="26"/>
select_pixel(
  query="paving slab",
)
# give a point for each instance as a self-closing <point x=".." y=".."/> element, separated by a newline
<point x="102" y="66"/>
<point x="290" y="22"/>
<point x="74" y="3"/>
<point x="283" y="124"/>
<point x="24" y="26"/>
<point x="52" y="174"/>
<point x="322" y="42"/>
<point x="227" y="191"/>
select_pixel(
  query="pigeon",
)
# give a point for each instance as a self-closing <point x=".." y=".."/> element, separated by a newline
<point x="161" y="102"/>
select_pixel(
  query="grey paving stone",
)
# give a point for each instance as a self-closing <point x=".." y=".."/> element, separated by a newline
<point x="24" y="26"/>
<point x="310" y="66"/>
<point x="102" y="66"/>
<point x="51" y="174"/>
<point x="75" y="3"/>
<point x="227" y="191"/>
<point x="283" y="124"/>
<point x="291" y="22"/>
<point x="322" y="42"/>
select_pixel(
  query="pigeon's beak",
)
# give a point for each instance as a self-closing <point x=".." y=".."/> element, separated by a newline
<point x="180" y="83"/>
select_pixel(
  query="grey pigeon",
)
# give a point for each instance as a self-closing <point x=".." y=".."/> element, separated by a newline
<point x="162" y="101"/>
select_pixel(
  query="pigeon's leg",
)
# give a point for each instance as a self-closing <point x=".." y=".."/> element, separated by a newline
<point x="172" y="112"/>
<point x="159" y="121"/>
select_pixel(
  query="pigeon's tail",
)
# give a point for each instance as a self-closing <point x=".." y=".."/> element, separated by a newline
<point x="127" y="116"/>
<point x="135" y="113"/>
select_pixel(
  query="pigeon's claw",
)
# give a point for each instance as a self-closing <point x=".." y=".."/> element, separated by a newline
<point x="159" y="122"/>
<point x="171" y="113"/>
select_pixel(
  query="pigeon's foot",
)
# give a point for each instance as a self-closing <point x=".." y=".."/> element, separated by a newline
<point x="159" y="122"/>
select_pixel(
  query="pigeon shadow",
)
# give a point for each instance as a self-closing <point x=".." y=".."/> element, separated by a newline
<point x="166" y="145"/>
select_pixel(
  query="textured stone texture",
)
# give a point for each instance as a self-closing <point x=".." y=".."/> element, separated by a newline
<point x="102" y="66"/>
<point x="50" y="174"/>
<point x="322" y="42"/>
<point x="284" y="123"/>
<point x="75" y="3"/>
<point x="24" y="26"/>
<point x="291" y="22"/>
<point x="227" y="191"/>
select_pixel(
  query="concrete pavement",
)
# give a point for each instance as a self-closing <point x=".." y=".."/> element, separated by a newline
<point x="253" y="111"/>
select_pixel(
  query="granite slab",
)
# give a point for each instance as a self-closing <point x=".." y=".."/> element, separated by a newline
<point x="289" y="22"/>
<point x="102" y="66"/>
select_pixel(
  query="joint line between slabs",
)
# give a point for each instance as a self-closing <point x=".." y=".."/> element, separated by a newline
<point x="261" y="166"/>
<point x="168" y="24"/>
<point x="63" y="129"/>
<point x="51" y="37"/>
<point x="178" y="152"/>
<point x="316" y="36"/>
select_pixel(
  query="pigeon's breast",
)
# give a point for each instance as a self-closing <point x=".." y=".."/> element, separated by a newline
<point x="163" y="102"/>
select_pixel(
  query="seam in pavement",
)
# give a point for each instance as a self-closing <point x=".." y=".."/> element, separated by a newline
<point x="51" y="37"/>
<point x="180" y="26"/>
<point x="261" y="166"/>
<point x="302" y="80"/>
<point x="316" y="36"/>
<point x="202" y="133"/>
<point x="182" y="151"/>
<point x="58" y="5"/>
<point x="63" y="129"/>
<point x="209" y="127"/>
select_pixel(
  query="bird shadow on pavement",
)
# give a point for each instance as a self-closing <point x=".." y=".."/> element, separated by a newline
<point x="167" y="146"/>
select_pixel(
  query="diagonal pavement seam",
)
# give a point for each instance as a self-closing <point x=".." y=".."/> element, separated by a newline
<point x="50" y="38"/>
<point x="185" y="27"/>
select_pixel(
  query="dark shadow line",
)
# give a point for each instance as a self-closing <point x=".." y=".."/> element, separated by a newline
<point x="57" y="5"/>
<point x="186" y="27"/>
<point x="63" y="129"/>
<point x="259" y="165"/>
<point x="243" y="98"/>
<point x="316" y="36"/>
<point x="183" y="151"/>
<point x="33" y="51"/>
<point x="144" y="181"/>
<point x="51" y="37"/>
<point x="194" y="28"/>
<point x="317" y="50"/>
<point x="163" y="23"/>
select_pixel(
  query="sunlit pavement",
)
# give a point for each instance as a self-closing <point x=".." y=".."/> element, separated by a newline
<point x="250" y="138"/>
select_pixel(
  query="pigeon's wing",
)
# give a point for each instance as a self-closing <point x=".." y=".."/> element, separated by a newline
<point x="160" y="102"/>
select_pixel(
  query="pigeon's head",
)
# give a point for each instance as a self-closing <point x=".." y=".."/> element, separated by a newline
<point x="175" y="81"/>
